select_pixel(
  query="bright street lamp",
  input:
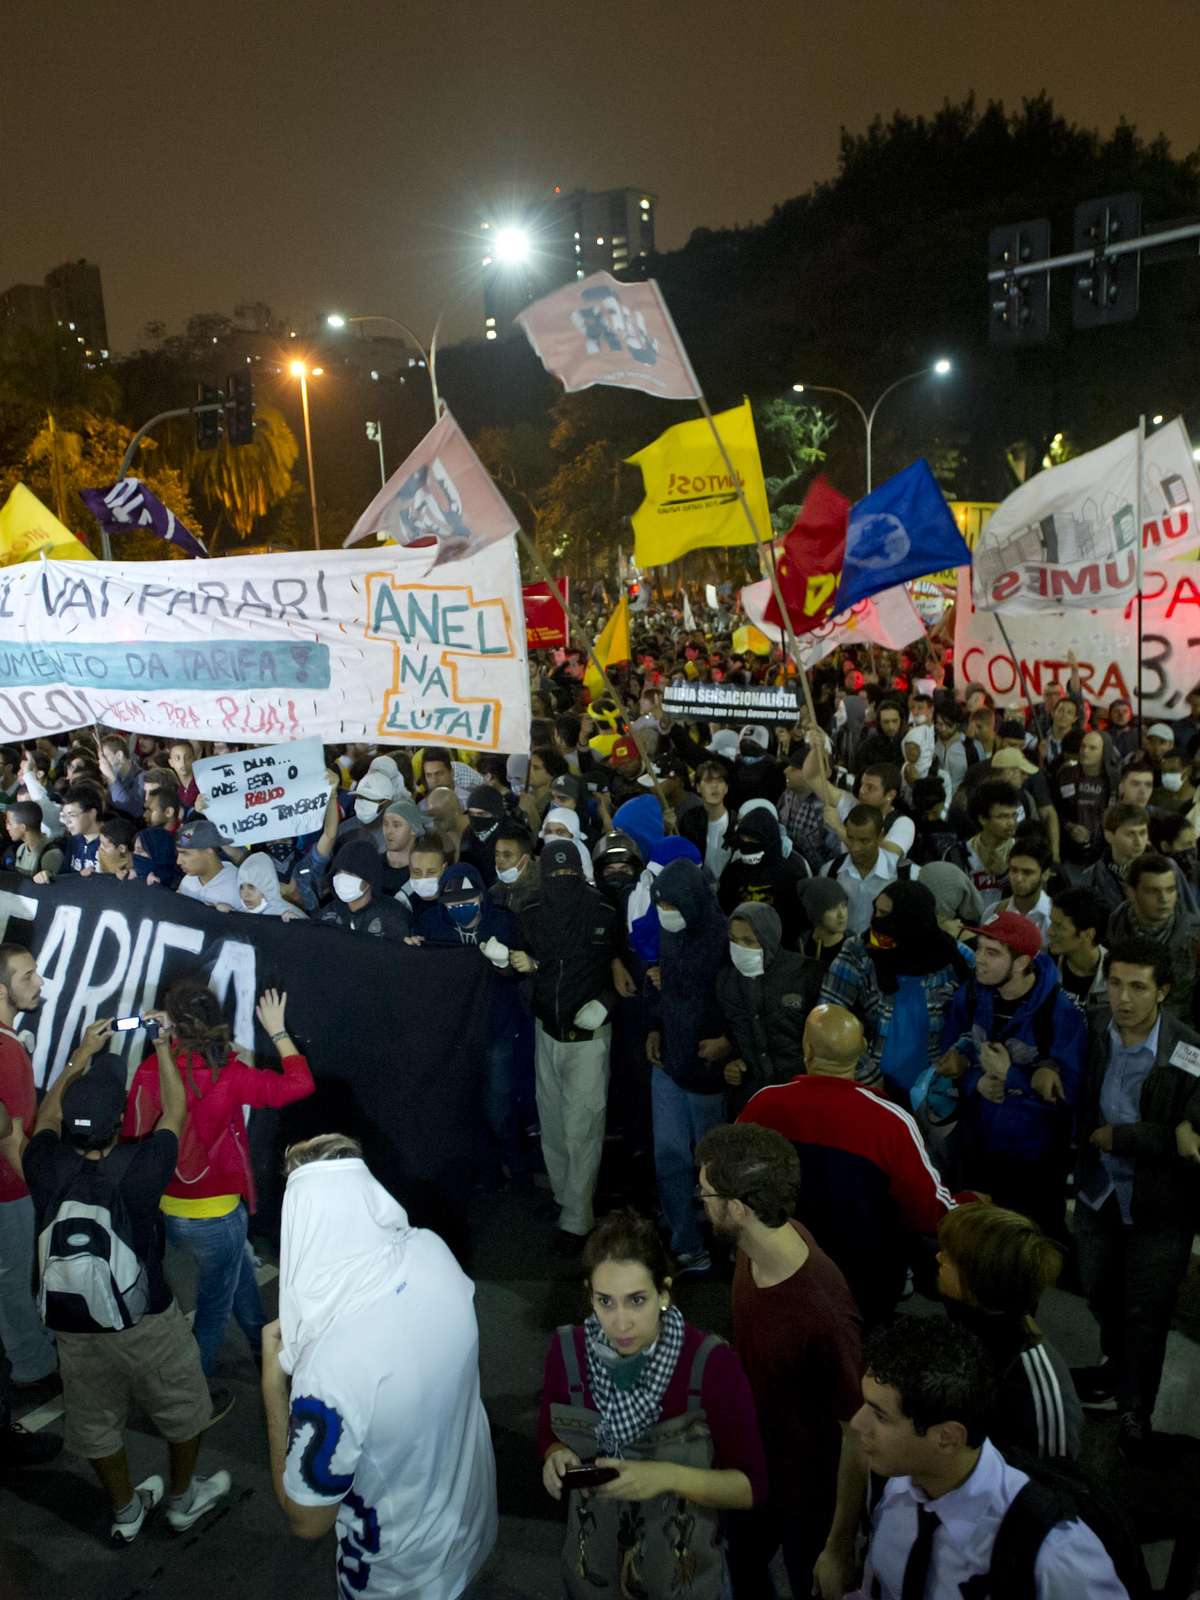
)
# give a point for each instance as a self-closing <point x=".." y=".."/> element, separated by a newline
<point x="299" y="370"/>
<point x="940" y="368"/>
<point x="337" y="319"/>
<point x="510" y="246"/>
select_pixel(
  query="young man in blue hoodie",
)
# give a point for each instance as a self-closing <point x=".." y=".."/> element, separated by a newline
<point x="1016" y="1045"/>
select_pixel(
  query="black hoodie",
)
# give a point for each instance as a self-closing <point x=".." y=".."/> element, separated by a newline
<point x="571" y="932"/>
<point x="772" y="880"/>
<point x="686" y="1004"/>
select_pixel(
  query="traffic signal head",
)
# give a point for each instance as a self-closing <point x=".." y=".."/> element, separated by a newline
<point x="1106" y="288"/>
<point x="239" y="408"/>
<point x="208" y="423"/>
<point x="1019" y="303"/>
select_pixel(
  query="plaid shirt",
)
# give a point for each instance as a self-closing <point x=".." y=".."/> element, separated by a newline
<point x="852" y="982"/>
<point x="802" y="817"/>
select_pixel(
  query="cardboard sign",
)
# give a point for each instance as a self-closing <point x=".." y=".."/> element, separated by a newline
<point x="254" y="796"/>
<point x="545" y="619"/>
<point x="727" y="702"/>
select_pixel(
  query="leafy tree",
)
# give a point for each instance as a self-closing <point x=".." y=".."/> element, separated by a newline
<point x="245" y="481"/>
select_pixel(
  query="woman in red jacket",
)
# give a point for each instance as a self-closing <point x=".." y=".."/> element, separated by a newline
<point x="207" y="1203"/>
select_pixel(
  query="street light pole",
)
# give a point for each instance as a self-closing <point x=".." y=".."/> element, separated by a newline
<point x="428" y="357"/>
<point x="868" y="418"/>
<point x="301" y="371"/>
<point x="375" y="432"/>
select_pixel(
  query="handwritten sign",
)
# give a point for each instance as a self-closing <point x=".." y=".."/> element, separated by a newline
<point x="337" y="645"/>
<point x="254" y="796"/>
<point x="727" y="702"/>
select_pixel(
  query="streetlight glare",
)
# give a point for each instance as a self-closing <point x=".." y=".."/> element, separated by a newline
<point x="317" y="372"/>
<point x="335" y="319"/>
<point x="798" y="388"/>
<point x="941" y="367"/>
<point x="297" y="369"/>
<point x="511" y="246"/>
<point x="1156" y="419"/>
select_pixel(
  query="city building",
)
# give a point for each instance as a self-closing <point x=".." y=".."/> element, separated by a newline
<point x="535" y="249"/>
<point x="70" y="298"/>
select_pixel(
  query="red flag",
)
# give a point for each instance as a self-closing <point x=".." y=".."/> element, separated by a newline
<point x="811" y="561"/>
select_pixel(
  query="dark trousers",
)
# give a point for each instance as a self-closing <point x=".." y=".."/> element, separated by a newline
<point x="5" y="1389"/>
<point x="1131" y="1277"/>
<point x="755" y="1536"/>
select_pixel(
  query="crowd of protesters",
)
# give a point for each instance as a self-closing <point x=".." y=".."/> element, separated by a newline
<point x="905" y="996"/>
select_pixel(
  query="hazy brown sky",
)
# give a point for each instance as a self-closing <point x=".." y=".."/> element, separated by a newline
<point x="322" y="154"/>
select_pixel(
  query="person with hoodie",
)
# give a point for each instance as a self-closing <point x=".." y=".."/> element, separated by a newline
<point x="642" y="820"/>
<point x="563" y="824"/>
<point x="765" y="996"/>
<point x="259" y="891"/>
<point x="359" y="905"/>
<point x="687" y="1084"/>
<point x="959" y="903"/>
<point x="759" y="871"/>
<point x="1015" y="1044"/>
<point x="403" y="824"/>
<point x="827" y="907"/>
<point x="485" y="813"/>
<point x="756" y="774"/>
<point x="374" y="792"/>
<point x="566" y="943"/>
<point x="641" y="918"/>
<point x="898" y="979"/>
<point x="154" y="858"/>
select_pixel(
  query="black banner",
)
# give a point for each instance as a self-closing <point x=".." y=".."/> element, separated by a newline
<point x="395" y="1034"/>
<point x="731" y="702"/>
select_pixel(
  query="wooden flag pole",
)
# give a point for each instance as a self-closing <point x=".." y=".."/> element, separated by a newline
<point x="535" y="555"/>
<point x="1137" y="521"/>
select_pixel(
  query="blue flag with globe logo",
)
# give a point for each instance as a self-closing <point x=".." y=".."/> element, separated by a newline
<point x="904" y="529"/>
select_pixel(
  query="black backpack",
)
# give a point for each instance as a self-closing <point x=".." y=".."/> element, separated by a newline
<point x="90" y="1278"/>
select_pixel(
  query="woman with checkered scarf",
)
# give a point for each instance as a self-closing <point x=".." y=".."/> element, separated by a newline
<point x="638" y="1389"/>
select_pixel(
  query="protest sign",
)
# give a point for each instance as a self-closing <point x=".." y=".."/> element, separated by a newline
<point x="729" y="702"/>
<point x="545" y="619"/>
<point x="1104" y="642"/>
<point x="341" y="645"/>
<point x="111" y="949"/>
<point x="255" y="796"/>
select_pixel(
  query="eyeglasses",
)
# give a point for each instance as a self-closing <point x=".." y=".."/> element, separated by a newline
<point x="708" y="1194"/>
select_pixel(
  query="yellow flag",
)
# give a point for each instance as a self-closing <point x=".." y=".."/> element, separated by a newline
<point x="611" y="647"/>
<point x="27" y="527"/>
<point x="691" y="500"/>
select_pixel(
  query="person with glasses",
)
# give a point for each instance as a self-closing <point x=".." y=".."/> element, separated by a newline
<point x="80" y="817"/>
<point x="638" y="1389"/>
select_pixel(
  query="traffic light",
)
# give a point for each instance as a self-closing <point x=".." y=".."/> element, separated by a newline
<point x="1019" y="306"/>
<point x="208" y="423"/>
<point x="1106" y="288"/>
<point x="239" y="408"/>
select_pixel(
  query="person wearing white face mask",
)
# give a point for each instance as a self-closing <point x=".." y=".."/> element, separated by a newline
<point x="764" y="996"/>
<point x="518" y="875"/>
<point x="358" y="906"/>
<point x="373" y="795"/>
<point x="259" y="893"/>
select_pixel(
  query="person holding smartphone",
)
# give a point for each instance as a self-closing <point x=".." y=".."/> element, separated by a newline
<point x="665" y="1408"/>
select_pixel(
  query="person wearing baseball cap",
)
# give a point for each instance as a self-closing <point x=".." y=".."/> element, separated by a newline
<point x="1015" y="1044"/>
<point x="207" y="875"/>
<point x="756" y="774"/>
<point x="625" y="768"/>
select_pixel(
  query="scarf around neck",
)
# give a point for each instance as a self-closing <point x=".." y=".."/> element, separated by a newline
<point x="626" y="1412"/>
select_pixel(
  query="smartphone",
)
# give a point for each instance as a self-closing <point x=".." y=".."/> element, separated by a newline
<point x="128" y="1024"/>
<point x="588" y="1477"/>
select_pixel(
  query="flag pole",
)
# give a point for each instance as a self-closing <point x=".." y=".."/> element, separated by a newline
<point x="763" y="544"/>
<point x="1137" y="522"/>
<point x="1018" y="679"/>
<point x="535" y="555"/>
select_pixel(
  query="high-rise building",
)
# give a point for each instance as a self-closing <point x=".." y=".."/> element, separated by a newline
<point x="76" y="296"/>
<point x="71" y="299"/>
<point x="538" y="248"/>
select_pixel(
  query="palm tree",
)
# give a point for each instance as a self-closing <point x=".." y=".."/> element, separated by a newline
<point x="245" y="481"/>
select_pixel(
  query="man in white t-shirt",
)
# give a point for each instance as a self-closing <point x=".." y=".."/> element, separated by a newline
<point x="207" y="875"/>
<point x="866" y="868"/>
<point x="384" y="1431"/>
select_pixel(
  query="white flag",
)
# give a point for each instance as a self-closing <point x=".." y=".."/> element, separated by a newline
<point x="888" y="619"/>
<point x="1067" y="539"/>
<point x="689" y="620"/>
<point x="444" y="493"/>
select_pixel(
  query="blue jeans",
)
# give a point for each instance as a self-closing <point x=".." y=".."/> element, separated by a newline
<point x="28" y="1346"/>
<point x="681" y="1120"/>
<point x="225" y="1279"/>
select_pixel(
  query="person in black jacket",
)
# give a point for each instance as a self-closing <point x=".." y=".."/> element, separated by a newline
<point x="765" y="996"/>
<point x="687" y="1085"/>
<point x="761" y="872"/>
<point x="566" y="942"/>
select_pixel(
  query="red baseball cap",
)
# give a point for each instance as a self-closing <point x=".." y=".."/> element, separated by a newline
<point x="624" y="749"/>
<point x="1010" y="928"/>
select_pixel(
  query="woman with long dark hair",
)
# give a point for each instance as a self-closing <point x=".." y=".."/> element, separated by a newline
<point x="663" y="1405"/>
<point x="208" y="1201"/>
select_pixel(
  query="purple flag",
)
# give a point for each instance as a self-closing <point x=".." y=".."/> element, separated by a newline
<point x="130" y="504"/>
<point x="601" y="331"/>
<point x="442" y="492"/>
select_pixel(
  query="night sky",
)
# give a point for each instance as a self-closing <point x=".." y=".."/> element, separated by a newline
<point x="315" y="155"/>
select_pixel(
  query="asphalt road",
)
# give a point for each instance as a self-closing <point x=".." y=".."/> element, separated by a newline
<point x="52" y="1519"/>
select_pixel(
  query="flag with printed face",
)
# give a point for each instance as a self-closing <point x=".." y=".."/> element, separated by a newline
<point x="889" y="620"/>
<point x="129" y="504"/>
<point x="810" y="561"/>
<point x="901" y="530"/>
<point x="1066" y="539"/>
<point x="691" y="499"/>
<point x="443" y="493"/>
<point x="28" y="529"/>
<point x="611" y="648"/>
<point x="600" y="331"/>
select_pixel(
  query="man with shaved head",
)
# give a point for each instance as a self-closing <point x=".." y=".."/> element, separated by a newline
<point x="867" y="1185"/>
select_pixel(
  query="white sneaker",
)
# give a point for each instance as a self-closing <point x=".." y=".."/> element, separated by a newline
<point x="149" y="1493"/>
<point x="205" y="1494"/>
